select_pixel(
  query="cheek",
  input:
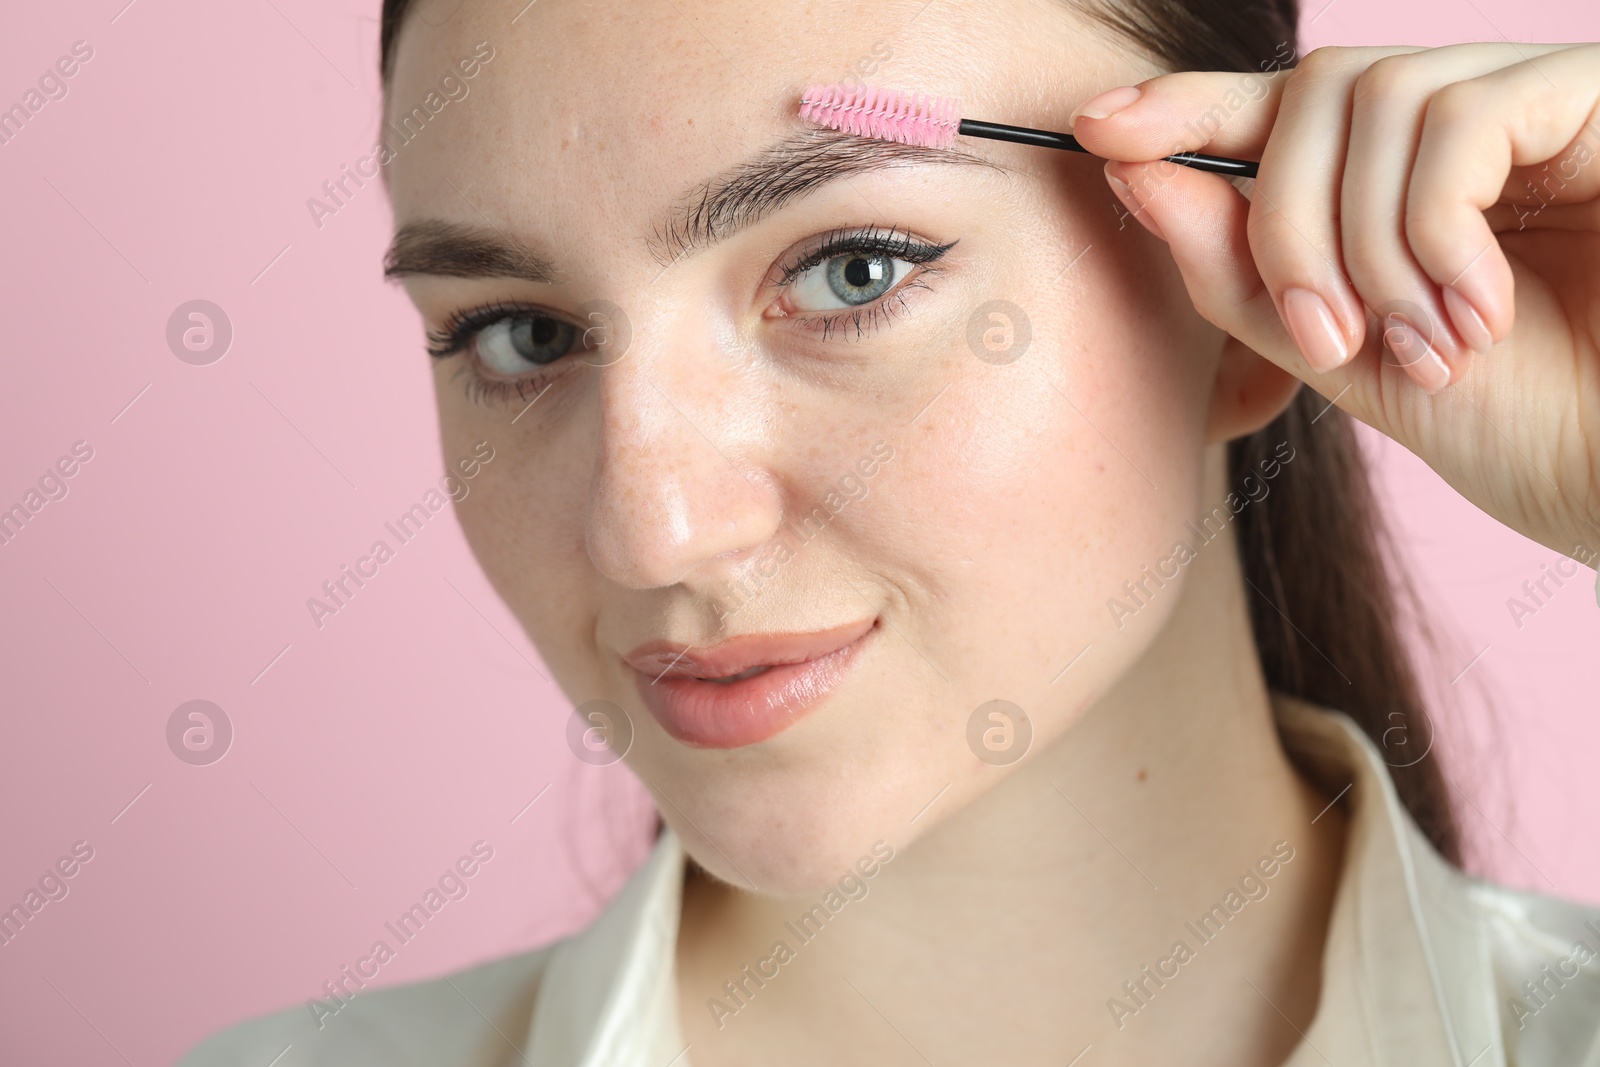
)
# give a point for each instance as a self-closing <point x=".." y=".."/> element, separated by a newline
<point x="992" y="541"/>
<point x="1030" y="492"/>
<point x="523" y="522"/>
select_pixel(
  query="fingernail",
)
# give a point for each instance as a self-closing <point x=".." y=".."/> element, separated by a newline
<point x="1416" y="355"/>
<point x="1314" y="329"/>
<point x="1468" y="323"/>
<point x="1107" y="103"/>
<point x="1125" y="193"/>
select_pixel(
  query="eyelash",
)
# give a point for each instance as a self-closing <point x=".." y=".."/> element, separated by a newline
<point x="458" y="330"/>
<point x="871" y="241"/>
<point x="456" y="336"/>
<point x="462" y="326"/>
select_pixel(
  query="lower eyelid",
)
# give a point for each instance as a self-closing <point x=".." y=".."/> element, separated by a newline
<point x="885" y="308"/>
<point x="481" y="389"/>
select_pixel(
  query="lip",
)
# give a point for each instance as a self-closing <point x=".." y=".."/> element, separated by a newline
<point x="802" y="670"/>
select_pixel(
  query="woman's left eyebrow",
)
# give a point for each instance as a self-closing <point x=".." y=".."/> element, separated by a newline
<point x="711" y="211"/>
<point x="716" y="209"/>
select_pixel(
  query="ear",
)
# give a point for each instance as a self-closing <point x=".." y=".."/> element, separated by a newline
<point x="1249" y="392"/>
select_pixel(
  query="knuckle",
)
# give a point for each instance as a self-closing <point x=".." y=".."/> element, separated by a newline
<point x="1265" y="221"/>
<point x="1434" y="230"/>
<point x="1457" y="102"/>
<point x="1424" y="240"/>
<point x="1387" y="78"/>
<point x="1330" y="69"/>
<point x="1328" y="61"/>
<point x="1367" y="260"/>
<point x="1285" y="249"/>
<point x="1270" y="229"/>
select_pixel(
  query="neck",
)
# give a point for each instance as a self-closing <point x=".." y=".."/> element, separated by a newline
<point x="1048" y="914"/>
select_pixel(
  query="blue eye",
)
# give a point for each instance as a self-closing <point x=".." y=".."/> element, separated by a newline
<point x="847" y="281"/>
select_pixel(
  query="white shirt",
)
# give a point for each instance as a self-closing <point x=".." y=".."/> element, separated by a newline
<point x="1423" y="965"/>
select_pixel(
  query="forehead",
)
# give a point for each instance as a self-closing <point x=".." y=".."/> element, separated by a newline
<point x="594" y="109"/>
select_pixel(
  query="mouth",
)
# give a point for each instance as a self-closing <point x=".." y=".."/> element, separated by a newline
<point x="744" y="656"/>
<point x="741" y="676"/>
<point x="746" y="689"/>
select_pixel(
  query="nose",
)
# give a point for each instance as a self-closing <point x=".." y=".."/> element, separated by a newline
<point x="678" y="485"/>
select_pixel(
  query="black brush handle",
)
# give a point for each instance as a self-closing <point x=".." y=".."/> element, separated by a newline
<point x="996" y="131"/>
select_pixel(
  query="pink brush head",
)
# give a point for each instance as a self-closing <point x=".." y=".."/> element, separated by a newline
<point x="883" y="114"/>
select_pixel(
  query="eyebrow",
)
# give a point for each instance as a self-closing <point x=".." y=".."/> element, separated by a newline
<point x="454" y="250"/>
<point x="707" y="213"/>
<point x="716" y="209"/>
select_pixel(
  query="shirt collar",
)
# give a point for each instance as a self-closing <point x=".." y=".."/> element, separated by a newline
<point x="1406" y="974"/>
<point x="609" y="996"/>
<point x="1406" y="978"/>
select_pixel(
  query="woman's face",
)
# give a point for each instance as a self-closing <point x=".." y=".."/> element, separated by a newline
<point x="764" y="389"/>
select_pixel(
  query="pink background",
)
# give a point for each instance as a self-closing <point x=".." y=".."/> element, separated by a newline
<point x="369" y="755"/>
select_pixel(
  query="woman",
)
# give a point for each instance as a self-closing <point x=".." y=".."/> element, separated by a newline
<point x="977" y="566"/>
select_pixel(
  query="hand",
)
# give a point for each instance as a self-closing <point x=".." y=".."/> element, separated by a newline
<point x="1422" y="247"/>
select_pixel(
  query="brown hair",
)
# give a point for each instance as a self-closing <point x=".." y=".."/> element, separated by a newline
<point x="1315" y="550"/>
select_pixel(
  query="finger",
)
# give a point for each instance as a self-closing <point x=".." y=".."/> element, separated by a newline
<point x="1294" y="211"/>
<point x="1388" y="104"/>
<point x="1204" y="221"/>
<point x="1571" y="218"/>
<point x="1223" y="113"/>
<point x="1474" y="133"/>
<point x="1567" y="178"/>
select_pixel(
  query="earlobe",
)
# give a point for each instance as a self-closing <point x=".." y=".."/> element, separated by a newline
<point x="1248" y="393"/>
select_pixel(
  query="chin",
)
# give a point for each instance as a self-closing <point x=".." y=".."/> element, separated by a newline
<point x="784" y="851"/>
<point x="795" y="814"/>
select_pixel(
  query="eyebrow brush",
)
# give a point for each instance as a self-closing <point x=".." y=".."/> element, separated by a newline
<point x="935" y="121"/>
